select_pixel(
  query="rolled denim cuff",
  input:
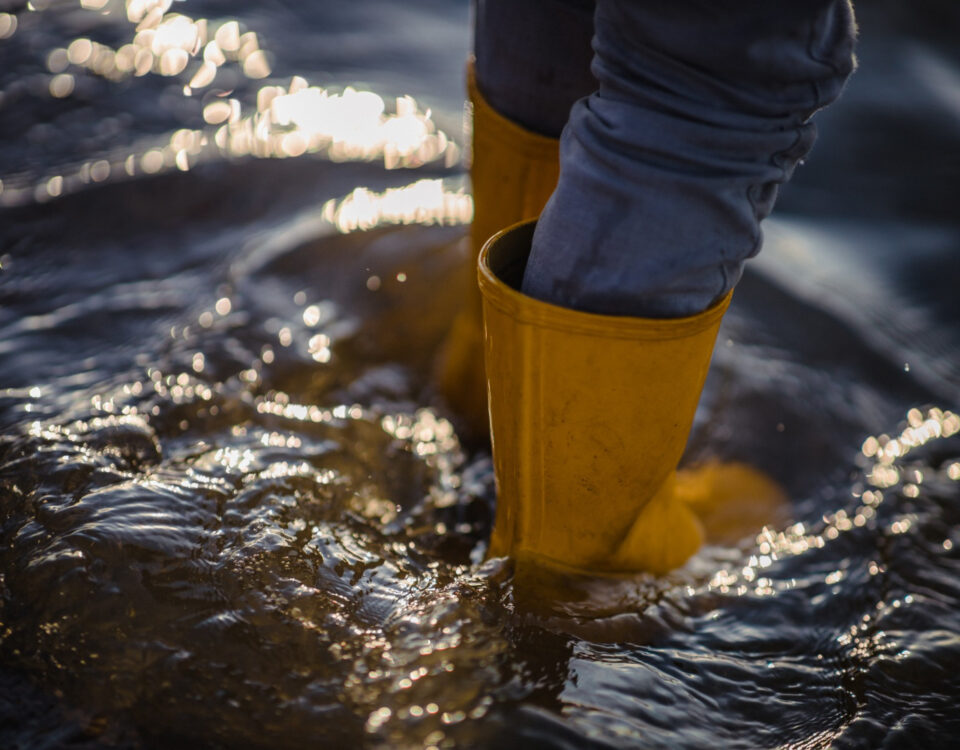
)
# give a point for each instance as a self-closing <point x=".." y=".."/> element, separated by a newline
<point x="703" y="110"/>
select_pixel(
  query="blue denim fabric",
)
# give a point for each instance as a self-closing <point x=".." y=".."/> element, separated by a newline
<point x="533" y="59"/>
<point x="702" y="110"/>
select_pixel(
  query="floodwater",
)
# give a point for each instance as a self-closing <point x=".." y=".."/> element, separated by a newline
<point x="234" y="514"/>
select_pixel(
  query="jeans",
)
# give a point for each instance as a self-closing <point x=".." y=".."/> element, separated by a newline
<point x="673" y="143"/>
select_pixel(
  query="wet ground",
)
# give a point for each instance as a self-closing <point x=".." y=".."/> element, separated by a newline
<point x="234" y="514"/>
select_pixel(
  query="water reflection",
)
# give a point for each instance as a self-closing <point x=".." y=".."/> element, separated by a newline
<point x="296" y="514"/>
<point x="274" y="121"/>
<point x="885" y="471"/>
<point x="426" y="202"/>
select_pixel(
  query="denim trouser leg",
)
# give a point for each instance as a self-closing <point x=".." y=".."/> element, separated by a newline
<point x="667" y="170"/>
<point x="533" y="59"/>
<point x="703" y="110"/>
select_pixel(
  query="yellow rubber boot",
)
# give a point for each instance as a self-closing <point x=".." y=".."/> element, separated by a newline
<point x="514" y="172"/>
<point x="590" y="415"/>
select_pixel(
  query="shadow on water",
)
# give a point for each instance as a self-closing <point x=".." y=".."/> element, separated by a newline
<point x="234" y="514"/>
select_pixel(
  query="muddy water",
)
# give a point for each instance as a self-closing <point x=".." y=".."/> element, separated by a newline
<point x="234" y="514"/>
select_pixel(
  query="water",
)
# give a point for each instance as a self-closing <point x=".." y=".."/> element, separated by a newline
<point x="235" y="514"/>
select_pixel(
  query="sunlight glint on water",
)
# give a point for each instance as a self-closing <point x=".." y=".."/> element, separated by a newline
<point x="278" y="121"/>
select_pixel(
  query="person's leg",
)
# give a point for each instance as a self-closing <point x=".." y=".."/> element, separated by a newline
<point x="666" y="172"/>
<point x="533" y="59"/>
<point x="532" y="63"/>
<point x="703" y="109"/>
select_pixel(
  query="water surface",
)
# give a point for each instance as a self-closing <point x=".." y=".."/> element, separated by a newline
<point x="234" y="513"/>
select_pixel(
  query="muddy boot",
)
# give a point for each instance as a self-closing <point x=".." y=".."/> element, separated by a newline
<point x="514" y="171"/>
<point x="590" y="415"/>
